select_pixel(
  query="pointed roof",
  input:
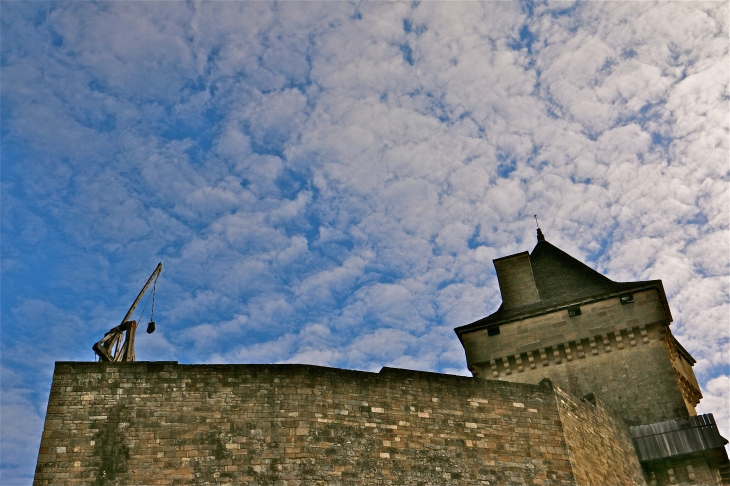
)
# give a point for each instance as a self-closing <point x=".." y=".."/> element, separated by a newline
<point x="562" y="281"/>
<point x="560" y="277"/>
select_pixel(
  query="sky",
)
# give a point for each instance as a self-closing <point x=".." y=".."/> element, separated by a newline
<point x="329" y="182"/>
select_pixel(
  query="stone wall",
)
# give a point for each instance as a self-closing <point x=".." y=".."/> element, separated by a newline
<point x="616" y="351"/>
<point x="553" y="329"/>
<point x="164" y="423"/>
<point x="599" y="443"/>
<point x="637" y="383"/>
<point x="682" y="471"/>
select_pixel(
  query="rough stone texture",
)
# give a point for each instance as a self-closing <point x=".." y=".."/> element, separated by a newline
<point x="555" y="328"/>
<point x="681" y="472"/>
<point x="617" y="352"/>
<point x="599" y="444"/>
<point x="637" y="383"/>
<point x="682" y="364"/>
<point x="516" y="282"/>
<point x="594" y="338"/>
<point x="164" y="423"/>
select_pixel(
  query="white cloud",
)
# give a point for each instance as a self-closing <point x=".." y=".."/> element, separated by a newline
<point x="328" y="183"/>
<point x="22" y="424"/>
<point x="716" y="400"/>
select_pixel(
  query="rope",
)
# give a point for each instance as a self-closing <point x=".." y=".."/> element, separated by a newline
<point x="152" y="295"/>
<point x="143" y="309"/>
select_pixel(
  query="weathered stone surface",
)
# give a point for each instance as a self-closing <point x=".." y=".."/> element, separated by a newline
<point x="164" y="423"/>
<point x="618" y="352"/>
<point x="600" y="448"/>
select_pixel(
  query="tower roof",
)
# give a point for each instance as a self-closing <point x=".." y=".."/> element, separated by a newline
<point x="562" y="281"/>
<point x="560" y="277"/>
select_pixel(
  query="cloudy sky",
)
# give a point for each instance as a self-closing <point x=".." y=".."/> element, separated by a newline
<point x="328" y="183"/>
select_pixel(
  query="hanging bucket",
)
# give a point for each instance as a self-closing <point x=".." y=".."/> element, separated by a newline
<point x="151" y="327"/>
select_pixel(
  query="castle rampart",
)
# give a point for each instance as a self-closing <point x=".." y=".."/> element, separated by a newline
<point x="164" y="423"/>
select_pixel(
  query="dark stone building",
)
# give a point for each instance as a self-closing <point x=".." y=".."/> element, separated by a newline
<point x="578" y="381"/>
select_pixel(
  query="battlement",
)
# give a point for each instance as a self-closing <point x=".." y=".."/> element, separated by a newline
<point x="594" y="337"/>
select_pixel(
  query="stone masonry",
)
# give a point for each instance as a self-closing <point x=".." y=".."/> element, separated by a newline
<point x="609" y="342"/>
<point x="164" y="423"/>
<point x="616" y="351"/>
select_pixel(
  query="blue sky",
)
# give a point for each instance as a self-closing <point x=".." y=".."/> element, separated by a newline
<point x="328" y="183"/>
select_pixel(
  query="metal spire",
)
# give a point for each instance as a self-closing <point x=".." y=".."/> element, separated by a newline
<point x="540" y="236"/>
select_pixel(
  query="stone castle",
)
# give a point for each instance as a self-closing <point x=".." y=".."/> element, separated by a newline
<point x="577" y="381"/>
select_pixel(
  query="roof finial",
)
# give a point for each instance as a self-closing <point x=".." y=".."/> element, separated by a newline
<point x="540" y="236"/>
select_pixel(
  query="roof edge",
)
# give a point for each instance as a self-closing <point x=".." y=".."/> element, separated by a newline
<point x="646" y="285"/>
<point x="512" y="256"/>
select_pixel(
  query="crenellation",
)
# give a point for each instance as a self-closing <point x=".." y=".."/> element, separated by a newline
<point x="633" y="379"/>
<point x="556" y="355"/>
<point x="506" y="367"/>
<point x="568" y="352"/>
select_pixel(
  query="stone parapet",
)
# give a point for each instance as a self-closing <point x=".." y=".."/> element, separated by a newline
<point x="165" y="423"/>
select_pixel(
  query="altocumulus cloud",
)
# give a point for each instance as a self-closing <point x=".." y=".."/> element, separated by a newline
<point x="328" y="183"/>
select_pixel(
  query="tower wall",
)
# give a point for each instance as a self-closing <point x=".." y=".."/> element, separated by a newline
<point x="682" y="471"/>
<point x="164" y="423"/>
<point x="637" y="383"/>
<point x="598" y="443"/>
<point x="618" y="352"/>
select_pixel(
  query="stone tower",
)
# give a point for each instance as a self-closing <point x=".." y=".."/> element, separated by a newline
<point x="563" y="320"/>
<point x="593" y="337"/>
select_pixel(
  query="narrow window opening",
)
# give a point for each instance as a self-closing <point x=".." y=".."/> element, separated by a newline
<point x="574" y="311"/>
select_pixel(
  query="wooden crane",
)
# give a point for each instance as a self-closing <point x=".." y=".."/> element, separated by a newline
<point x="112" y="347"/>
